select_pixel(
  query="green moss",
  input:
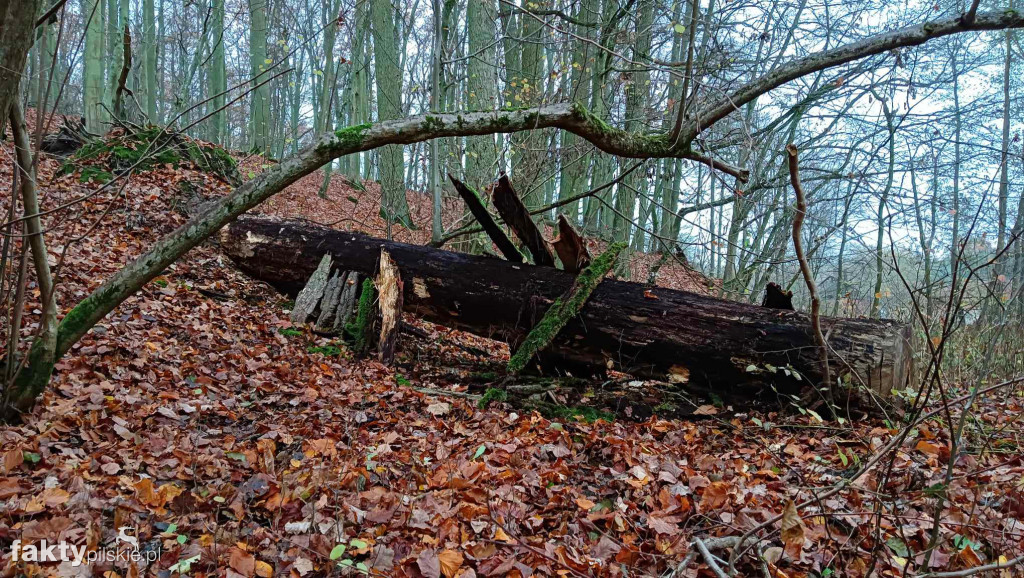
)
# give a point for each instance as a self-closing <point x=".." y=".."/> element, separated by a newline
<point x="95" y="174"/>
<point x="656" y="144"/>
<point x="328" y="350"/>
<point x="553" y="411"/>
<point x="432" y="123"/>
<point x="350" y="137"/>
<point x="564" y="308"/>
<point x="91" y="150"/>
<point x="361" y="329"/>
<point x="290" y="332"/>
<point x="151" y="148"/>
<point x="492" y="394"/>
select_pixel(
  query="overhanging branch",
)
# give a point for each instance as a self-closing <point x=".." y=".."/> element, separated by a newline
<point x="876" y="44"/>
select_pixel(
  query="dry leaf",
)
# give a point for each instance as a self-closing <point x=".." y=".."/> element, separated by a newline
<point x="792" y="530"/>
<point x="439" y="408"/>
<point x="584" y="503"/>
<point x="450" y="561"/>
<point x="242" y="562"/>
<point x="264" y="570"/>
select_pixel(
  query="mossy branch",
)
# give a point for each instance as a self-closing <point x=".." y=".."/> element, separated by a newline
<point x="564" y="308"/>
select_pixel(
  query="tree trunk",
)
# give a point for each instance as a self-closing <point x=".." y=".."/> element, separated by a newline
<point x="218" y="74"/>
<point x="92" y="77"/>
<point x="727" y="347"/>
<point x="259" y="109"/>
<point x="394" y="207"/>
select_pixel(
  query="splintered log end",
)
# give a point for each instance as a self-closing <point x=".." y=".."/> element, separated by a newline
<point x="570" y="247"/>
<point x="389" y="285"/>
<point x="487" y="223"/>
<point x="565" y="308"/>
<point x="362" y="328"/>
<point x="517" y="217"/>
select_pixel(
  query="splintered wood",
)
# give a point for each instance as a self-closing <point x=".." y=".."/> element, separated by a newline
<point x="389" y="286"/>
<point x="570" y="247"/>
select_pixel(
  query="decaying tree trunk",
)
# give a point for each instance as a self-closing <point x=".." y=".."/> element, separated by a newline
<point x="731" y="348"/>
<point x="570" y="247"/>
<point x="517" y="217"/>
<point x="389" y="286"/>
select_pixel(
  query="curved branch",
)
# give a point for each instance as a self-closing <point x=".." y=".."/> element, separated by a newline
<point x="876" y="44"/>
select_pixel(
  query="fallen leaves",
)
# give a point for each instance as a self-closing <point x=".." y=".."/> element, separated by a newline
<point x="792" y="530"/>
<point x="450" y="561"/>
<point x="183" y="412"/>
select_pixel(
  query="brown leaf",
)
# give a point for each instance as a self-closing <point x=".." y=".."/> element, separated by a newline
<point x="792" y="530"/>
<point x="450" y="561"/>
<point x="429" y="564"/>
<point x="667" y="525"/>
<point x="12" y="459"/>
<point x="242" y="562"/>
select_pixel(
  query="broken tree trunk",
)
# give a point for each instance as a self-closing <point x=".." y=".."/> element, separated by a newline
<point x="564" y="309"/>
<point x="730" y="348"/>
<point x="517" y="217"/>
<point x="479" y="211"/>
<point x="570" y="247"/>
<point x="389" y="286"/>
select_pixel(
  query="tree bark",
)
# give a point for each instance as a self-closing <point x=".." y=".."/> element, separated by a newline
<point x="476" y="208"/>
<point x="726" y="347"/>
<point x="517" y="217"/>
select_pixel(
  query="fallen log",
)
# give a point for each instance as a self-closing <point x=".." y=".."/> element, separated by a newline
<point x="729" y="348"/>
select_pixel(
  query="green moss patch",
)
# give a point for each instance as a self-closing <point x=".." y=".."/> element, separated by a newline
<point x="564" y="308"/>
<point x="147" y="149"/>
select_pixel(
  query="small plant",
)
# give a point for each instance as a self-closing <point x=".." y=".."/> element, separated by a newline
<point x="290" y="332"/>
<point x="94" y="174"/>
<point x="330" y="350"/>
<point x="492" y="394"/>
<point x="338" y="552"/>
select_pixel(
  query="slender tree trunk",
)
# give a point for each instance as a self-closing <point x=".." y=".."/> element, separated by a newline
<point x="883" y="200"/>
<point x="359" y="87"/>
<point x="149" y="57"/>
<point x="259" y="108"/>
<point x="481" y="89"/>
<point x="957" y="121"/>
<point x="999" y="271"/>
<point x="528" y="89"/>
<point x="96" y="117"/>
<point x="218" y="76"/>
<point x="436" y="221"/>
<point x="575" y="165"/>
<point x="394" y="207"/>
<point x="35" y="374"/>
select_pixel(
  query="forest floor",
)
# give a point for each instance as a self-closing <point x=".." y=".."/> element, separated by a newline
<point x="235" y="444"/>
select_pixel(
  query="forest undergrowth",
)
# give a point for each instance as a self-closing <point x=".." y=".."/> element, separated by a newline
<point x="234" y="442"/>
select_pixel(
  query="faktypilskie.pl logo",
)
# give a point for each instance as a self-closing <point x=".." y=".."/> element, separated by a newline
<point x="125" y="549"/>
